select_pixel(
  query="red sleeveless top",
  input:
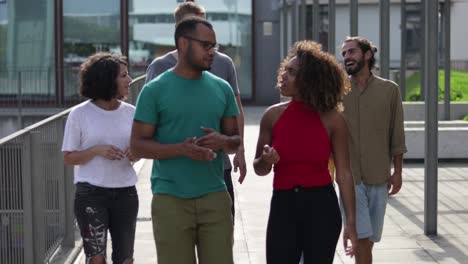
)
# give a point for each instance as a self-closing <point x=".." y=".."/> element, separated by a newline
<point x="304" y="148"/>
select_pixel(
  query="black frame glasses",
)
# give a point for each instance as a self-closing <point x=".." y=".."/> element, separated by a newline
<point x="206" y="45"/>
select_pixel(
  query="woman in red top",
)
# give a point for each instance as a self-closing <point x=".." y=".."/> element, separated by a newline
<point x="296" y="140"/>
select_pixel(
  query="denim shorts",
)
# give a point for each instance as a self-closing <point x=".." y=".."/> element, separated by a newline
<point x="99" y="210"/>
<point x="371" y="203"/>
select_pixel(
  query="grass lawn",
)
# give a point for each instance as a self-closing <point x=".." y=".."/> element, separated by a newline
<point x="458" y="86"/>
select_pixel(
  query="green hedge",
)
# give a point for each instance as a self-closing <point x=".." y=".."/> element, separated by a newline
<point x="458" y="86"/>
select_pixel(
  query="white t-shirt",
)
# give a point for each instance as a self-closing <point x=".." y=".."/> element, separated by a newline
<point x="89" y="125"/>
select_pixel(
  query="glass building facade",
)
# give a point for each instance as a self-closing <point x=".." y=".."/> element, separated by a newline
<point x="27" y="50"/>
<point x="88" y="27"/>
<point x="151" y="33"/>
<point x="43" y="42"/>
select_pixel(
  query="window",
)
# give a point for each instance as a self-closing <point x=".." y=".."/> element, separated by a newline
<point x="27" y="57"/>
<point x="89" y="26"/>
<point x="151" y="38"/>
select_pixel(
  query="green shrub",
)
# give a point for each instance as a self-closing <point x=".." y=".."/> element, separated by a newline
<point x="458" y="86"/>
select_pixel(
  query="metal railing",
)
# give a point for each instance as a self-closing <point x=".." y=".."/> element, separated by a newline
<point x="36" y="191"/>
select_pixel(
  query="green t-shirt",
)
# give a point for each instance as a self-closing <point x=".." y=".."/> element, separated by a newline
<point x="178" y="107"/>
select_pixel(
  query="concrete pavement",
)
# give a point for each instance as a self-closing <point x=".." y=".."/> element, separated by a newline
<point x="403" y="238"/>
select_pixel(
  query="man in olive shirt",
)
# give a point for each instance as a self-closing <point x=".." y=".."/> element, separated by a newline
<point x="374" y="113"/>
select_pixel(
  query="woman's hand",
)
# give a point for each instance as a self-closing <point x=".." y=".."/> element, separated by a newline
<point x="270" y="155"/>
<point x="350" y="235"/>
<point x="109" y="152"/>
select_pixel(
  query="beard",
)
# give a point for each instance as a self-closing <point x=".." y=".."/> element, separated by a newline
<point x="192" y="62"/>
<point x="356" y="68"/>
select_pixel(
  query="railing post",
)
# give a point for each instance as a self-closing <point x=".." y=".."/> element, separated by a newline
<point x="384" y="8"/>
<point x="69" y="239"/>
<point x="28" y="228"/>
<point x="284" y="28"/>
<point x="316" y="21"/>
<point x="354" y="18"/>
<point x="68" y="195"/>
<point x="33" y="210"/>
<point x="431" y="136"/>
<point x="403" y="29"/>
<point x="303" y="20"/>
<point x="62" y="192"/>
<point x="294" y="21"/>
<point x="447" y="62"/>
<point x="332" y="27"/>
<point x="20" y="102"/>
<point x="38" y="195"/>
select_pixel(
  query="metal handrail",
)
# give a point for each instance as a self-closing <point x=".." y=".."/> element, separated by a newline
<point x="36" y="191"/>
<point x="58" y="115"/>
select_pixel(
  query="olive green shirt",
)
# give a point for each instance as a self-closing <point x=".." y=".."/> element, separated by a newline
<point x="376" y="129"/>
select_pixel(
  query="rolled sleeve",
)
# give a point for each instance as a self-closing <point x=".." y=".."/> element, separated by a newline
<point x="398" y="145"/>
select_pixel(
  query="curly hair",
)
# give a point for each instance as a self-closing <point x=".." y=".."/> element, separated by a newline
<point x="321" y="81"/>
<point x="365" y="45"/>
<point x="98" y="75"/>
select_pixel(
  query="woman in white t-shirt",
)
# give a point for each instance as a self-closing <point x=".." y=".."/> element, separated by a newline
<point x="96" y="142"/>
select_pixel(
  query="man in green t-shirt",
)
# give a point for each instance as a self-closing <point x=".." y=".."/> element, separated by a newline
<point x="184" y="120"/>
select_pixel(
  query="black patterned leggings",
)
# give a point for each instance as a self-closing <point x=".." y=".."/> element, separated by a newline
<point x="99" y="210"/>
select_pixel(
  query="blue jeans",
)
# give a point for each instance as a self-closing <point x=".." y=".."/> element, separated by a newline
<point x="99" y="210"/>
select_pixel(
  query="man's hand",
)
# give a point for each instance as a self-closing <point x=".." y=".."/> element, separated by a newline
<point x="195" y="152"/>
<point x="394" y="184"/>
<point x="239" y="163"/>
<point x="270" y="155"/>
<point x="108" y="151"/>
<point x="212" y="140"/>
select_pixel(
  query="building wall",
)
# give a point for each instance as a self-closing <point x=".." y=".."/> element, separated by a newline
<point x="459" y="38"/>
<point x="267" y="51"/>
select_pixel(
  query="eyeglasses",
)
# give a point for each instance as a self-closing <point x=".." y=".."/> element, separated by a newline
<point x="205" y="44"/>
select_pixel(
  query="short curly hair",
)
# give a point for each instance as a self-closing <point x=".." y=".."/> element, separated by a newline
<point x="98" y="75"/>
<point x="321" y="81"/>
